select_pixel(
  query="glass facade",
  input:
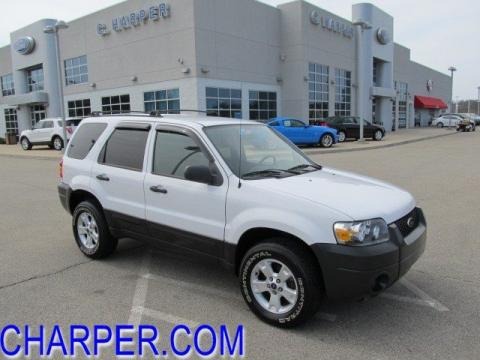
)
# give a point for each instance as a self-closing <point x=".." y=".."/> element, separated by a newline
<point x="317" y="91"/>
<point x="11" y="123"/>
<point x="224" y="102"/>
<point x="37" y="113"/>
<point x="76" y="70"/>
<point x="79" y="108"/>
<point x="116" y="104"/>
<point x="35" y="79"/>
<point x="343" y="92"/>
<point x="7" y="85"/>
<point x="164" y="101"/>
<point x="402" y="95"/>
<point x="262" y="105"/>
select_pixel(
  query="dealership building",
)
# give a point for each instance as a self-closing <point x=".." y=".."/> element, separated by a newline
<point x="233" y="58"/>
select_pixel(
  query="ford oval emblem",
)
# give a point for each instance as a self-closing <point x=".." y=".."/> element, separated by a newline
<point x="411" y="222"/>
<point x="24" y="45"/>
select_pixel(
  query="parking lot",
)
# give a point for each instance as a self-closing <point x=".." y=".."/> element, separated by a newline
<point x="434" y="313"/>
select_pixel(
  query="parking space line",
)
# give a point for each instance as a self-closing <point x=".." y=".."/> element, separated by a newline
<point x="158" y="315"/>
<point x="424" y="296"/>
<point x="140" y="294"/>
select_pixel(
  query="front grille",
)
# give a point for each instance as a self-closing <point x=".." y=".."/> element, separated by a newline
<point x="402" y="223"/>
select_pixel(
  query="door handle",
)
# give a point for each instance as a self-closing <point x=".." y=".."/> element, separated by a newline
<point x="158" y="189"/>
<point x="103" y="177"/>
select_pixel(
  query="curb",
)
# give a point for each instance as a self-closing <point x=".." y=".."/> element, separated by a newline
<point x="330" y="151"/>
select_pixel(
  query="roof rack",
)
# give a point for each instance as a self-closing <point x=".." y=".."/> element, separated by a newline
<point x="125" y="113"/>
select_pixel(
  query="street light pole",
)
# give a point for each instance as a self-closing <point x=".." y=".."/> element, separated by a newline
<point x="452" y="69"/>
<point x="53" y="29"/>
<point x="361" y="25"/>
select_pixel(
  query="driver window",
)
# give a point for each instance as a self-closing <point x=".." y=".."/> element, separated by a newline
<point x="174" y="153"/>
<point x="297" y="123"/>
<point x="287" y="123"/>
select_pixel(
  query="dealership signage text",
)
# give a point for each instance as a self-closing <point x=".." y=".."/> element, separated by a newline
<point x="134" y="19"/>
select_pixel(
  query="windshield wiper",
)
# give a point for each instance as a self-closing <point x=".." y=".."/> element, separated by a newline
<point x="305" y="166"/>
<point x="268" y="172"/>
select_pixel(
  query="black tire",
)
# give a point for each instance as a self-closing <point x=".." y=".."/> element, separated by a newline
<point x="25" y="143"/>
<point x="326" y="140"/>
<point x="378" y="135"/>
<point x="340" y="137"/>
<point x="440" y="125"/>
<point x="306" y="274"/>
<point x="57" y="143"/>
<point x="106" y="243"/>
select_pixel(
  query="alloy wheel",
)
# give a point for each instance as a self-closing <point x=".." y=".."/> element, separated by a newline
<point x="87" y="230"/>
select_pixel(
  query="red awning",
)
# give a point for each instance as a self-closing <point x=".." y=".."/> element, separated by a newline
<point x="427" y="102"/>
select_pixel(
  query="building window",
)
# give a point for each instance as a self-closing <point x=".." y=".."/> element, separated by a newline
<point x="76" y="70"/>
<point x="164" y="101"/>
<point x="37" y="113"/>
<point x="262" y="104"/>
<point x="79" y="108"/>
<point x="317" y="91"/>
<point x="402" y="93"/>
<point x="343" y="92"/>
<point x="224" y="102"/>
<point x="7" y="85"/>
<point x="116" y="104"/>
<point x="35" y="79"/>
<point x="11" y="123"/>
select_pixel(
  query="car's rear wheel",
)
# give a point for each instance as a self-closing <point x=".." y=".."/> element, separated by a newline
<point x="378" y="135"/>
<point x="280" y="283"/>
<point x="26" y="144"/>
<point x="440" y="125"/>
<point x="91" y="231"/>
<point x="326" y="140"/>
<point x="342" y="136"/>
<point x="57" y="143"/>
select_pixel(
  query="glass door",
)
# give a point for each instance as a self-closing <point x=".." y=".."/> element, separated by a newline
<point x="37" y="113"/>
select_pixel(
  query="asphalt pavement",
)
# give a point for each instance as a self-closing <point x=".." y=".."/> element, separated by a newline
<point x="434" y="313"/>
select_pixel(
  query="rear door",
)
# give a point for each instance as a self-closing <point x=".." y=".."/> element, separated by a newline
<point x="351" y="127"/>
<point x="179" y="211"/>
<point x="118" y="175"/>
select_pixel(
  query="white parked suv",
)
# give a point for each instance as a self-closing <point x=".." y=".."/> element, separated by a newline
<point x="239" y="192"/>
<point x="48" y="132"/>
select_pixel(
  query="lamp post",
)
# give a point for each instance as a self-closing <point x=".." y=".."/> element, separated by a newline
<point x="53" y="29"/>
<point x="478" y="101"/>
<point x="452" y="69"/>
<point x="361" y="25"/>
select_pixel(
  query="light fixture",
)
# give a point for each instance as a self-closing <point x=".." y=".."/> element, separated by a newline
<point x="186" y="70"/>
<point x="93" y="85"/>
<point x="305" y="78"/>
<point x="279" y="79"/>
<point x="134" y="78"/>
<point x="204" y="70"/>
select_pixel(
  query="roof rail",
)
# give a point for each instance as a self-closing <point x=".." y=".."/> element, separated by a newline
<point x="125" y="113"/>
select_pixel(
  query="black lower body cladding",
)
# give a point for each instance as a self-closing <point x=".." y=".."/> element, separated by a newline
<point x="64" y="194"/>
<point x="358" y="271"/>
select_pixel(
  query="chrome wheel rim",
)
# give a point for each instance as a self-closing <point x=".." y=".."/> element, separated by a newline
<point x="378" y="135"/>
<point x="327" y="140"/>
<point x="341" y="136"/>
<point x="57" y="144"/>
<point x="274" y="286"/>
<point x="25" y="144"/>
<point x="87" y="230"/>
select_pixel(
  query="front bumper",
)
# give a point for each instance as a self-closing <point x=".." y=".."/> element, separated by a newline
<point x="357" y="271"/>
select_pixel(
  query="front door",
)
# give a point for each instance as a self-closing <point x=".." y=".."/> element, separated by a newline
<point x="37" y="113"/>
<point x="179" y="211"/>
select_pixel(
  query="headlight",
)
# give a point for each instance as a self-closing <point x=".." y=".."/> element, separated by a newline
<point x="361" y="232"/>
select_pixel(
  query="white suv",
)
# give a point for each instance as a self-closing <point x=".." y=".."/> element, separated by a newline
<point x="237" y="191"/>
<point x="48" y="132"/>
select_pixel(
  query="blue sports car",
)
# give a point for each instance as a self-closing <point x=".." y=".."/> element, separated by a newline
<point x="301" y="134"/>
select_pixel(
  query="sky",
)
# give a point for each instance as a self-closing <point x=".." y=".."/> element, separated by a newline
<point x="439" y="33"/>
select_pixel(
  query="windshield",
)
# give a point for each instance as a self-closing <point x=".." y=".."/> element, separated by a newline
<point x="264" y="152"/>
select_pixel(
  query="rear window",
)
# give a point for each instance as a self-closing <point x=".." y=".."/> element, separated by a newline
<point x="125" y="149"/>
<point x="84" y="139"/>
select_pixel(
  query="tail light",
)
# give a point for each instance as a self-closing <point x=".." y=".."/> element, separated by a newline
<point x="60" y="169"/>
<point x="69" y="130"/>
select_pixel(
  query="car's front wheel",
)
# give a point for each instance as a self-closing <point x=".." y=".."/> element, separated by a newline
<point x="342" y="136"/>
<point x="57" y="143"/>
<point x="26" y="144"/>
<point x="91" y="231"/>
<point x="280" y="283"/>
<point x="378" y="135"/>
<point x="326" y="141"/>
<point x="440" y="125"/>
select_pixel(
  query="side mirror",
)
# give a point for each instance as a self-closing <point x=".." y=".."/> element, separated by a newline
<point x="200" y="173"/>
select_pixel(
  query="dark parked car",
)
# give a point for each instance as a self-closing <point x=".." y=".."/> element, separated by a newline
<point x="348" y="127"/>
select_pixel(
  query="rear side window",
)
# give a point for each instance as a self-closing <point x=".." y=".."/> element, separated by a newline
<point x="84" y="139"/>
<point x="125" y="149"/>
